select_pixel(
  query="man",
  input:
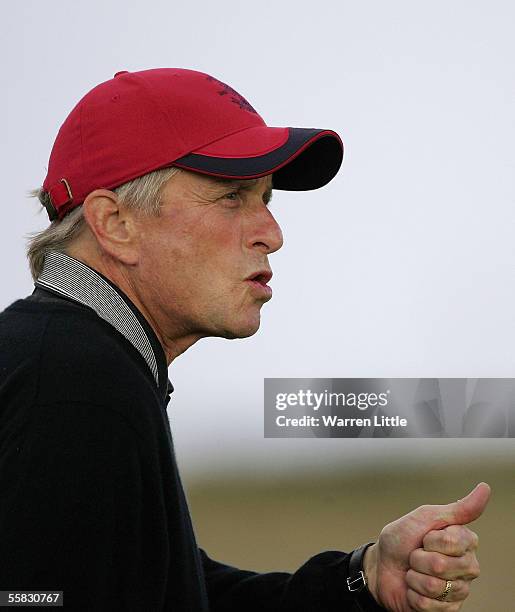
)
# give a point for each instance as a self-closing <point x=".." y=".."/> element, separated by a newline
<point x="157" y="188"/>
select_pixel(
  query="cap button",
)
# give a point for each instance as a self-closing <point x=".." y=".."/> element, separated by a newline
<point x="121" y="72"/>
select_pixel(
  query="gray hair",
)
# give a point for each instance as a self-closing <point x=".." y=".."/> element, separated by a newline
<point x="142" y="194"/>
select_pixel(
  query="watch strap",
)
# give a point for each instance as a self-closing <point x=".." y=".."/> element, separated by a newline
<point x="357" y="581"/>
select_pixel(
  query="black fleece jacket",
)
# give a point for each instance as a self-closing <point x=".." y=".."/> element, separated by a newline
<point x="91" y="500"/>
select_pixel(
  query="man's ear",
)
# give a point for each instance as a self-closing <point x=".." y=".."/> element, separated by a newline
<point x="114" y="227"/>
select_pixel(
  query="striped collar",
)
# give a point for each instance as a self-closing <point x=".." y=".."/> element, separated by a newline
<point x="70" y="278"/>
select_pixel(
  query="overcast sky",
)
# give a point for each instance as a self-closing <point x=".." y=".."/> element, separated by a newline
<point x="402" y="266"/>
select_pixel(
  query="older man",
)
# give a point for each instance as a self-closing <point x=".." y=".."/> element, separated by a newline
<point x="157" y="189"/>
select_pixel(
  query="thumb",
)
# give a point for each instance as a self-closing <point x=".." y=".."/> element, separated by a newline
<point x="467" y="509"/>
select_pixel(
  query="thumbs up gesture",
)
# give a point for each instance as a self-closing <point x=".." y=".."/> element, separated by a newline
<point x="425" y="560"/>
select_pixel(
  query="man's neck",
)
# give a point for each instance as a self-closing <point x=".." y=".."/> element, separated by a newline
<point x="174" y="344"/>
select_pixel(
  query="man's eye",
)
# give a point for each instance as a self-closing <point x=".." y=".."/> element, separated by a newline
<point x="232" y="195"/>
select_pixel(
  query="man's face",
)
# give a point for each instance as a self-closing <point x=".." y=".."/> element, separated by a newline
<point x="198" y="255"/>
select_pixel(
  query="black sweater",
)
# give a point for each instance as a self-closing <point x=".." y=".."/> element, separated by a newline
<point x="91" y="499"/>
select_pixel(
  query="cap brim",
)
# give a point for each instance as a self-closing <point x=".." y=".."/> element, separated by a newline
<point x="299" y="158"/>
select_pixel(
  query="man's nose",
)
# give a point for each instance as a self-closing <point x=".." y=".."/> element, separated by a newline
<point x="265" y="233"/>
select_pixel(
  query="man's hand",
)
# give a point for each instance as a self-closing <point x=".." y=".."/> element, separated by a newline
<point x="408" y="567"/>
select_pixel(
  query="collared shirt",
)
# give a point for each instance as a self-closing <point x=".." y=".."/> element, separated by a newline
<point x="70" y="278"/>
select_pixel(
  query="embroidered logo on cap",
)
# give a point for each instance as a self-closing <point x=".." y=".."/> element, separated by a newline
<point x="235" y="96"/>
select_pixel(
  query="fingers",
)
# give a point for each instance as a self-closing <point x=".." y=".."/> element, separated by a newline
<point x="443" y="566"/>
<point x="448" y="554"/>
<point x="421" y="603"/>
<point x="454" y="540"/>
<point x="432" y="587"/>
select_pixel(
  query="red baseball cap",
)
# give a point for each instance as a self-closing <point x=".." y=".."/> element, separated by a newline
<point x="139" y="122"/>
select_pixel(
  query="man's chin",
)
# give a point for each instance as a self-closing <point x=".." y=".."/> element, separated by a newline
<point x="244" y="330"/>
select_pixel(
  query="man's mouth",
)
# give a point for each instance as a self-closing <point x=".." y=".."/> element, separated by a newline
<point x="258" y="280"/>
<point x="262" y="277"/>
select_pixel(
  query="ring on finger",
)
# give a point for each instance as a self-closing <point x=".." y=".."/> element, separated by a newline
<point x="444" y="594"/>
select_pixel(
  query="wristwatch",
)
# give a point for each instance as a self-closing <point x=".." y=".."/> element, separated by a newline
<point x="357" y="582"/>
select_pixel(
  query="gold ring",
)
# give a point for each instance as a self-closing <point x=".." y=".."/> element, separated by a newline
<point x="445" y="592"/>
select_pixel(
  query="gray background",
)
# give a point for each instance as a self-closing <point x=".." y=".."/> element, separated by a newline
<point x="401" y="267"/>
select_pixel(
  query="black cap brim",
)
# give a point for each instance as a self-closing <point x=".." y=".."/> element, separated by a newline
<point x="308" y="159"/>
